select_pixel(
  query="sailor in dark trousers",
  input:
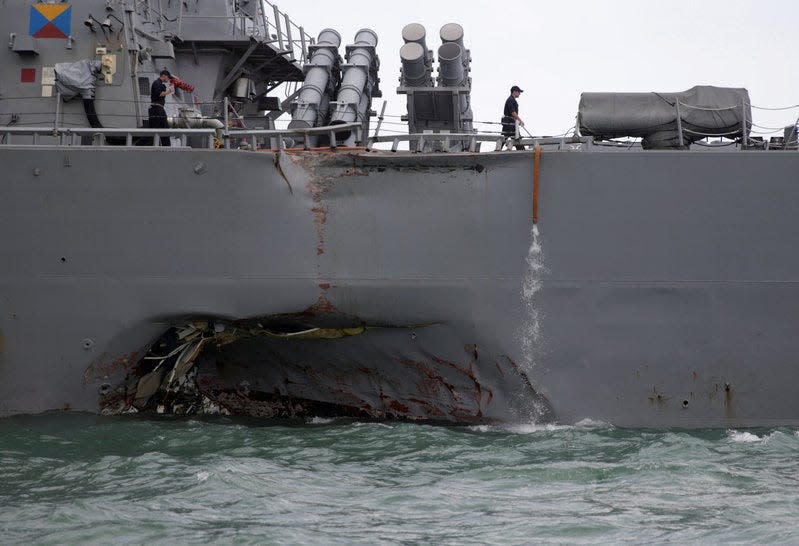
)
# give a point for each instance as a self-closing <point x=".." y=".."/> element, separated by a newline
<point x="157" y="114"/>
<point x="511" y="115"/>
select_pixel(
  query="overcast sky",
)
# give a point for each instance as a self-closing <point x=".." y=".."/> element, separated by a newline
<point x="557" y="49"/>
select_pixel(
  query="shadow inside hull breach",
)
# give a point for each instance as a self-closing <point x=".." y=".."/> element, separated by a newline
<point x="285" y="367"/>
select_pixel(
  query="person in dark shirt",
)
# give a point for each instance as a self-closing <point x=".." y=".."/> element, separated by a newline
<point x="511" y="113"/>
<point x="158" y="93"/>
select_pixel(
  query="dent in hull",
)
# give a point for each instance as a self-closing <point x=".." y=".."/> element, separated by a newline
<point x="289" y="367"/>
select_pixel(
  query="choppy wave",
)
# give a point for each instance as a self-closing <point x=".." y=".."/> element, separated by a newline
<point x="86" y="479"/>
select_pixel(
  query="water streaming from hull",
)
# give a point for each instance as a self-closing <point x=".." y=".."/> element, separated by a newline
<point x="528" y="333"/>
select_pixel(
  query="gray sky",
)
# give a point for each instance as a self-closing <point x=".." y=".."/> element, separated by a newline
<point x="558" y="48"/>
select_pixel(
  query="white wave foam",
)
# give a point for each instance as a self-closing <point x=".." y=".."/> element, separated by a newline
<point x="592" y="423"/>
<point x="746" y="437"/>
<point x="202" y="476"/>
<point x="519" y="428"/>
<point x="320" y="420"/>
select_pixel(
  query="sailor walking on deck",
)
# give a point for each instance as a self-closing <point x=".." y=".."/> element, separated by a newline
<point x="511" y="113"/>
<point x="157" y="114"/>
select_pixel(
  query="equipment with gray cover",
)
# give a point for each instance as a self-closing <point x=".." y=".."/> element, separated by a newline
<point x="667" y="120"/>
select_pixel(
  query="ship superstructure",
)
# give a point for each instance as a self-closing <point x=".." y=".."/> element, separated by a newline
<point x="297" y="272"/>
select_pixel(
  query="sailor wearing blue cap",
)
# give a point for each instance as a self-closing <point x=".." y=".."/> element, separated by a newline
<point x="511" y="113"/>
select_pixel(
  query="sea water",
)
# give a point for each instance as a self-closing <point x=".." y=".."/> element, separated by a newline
<point x="76" y="478"/>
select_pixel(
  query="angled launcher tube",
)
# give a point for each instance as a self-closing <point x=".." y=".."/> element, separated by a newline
<point x="414" y="33"/>
<point x="450" y="64"/>
<point x="452" y="33"/>
<point x="439" y="105"/>
<point x="452" y="73"/>
<point x="417" y="61"/>
<point x="311" y="107"/>
<point x="356" y="81"/>
<point x="414" y="68"/>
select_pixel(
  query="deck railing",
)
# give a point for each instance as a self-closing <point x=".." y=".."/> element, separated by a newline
<point x="278" y="137"/>
<point x="268" y="24"/>
<point x="74" y="136"/>
<point x="416" y="141"/>
<point x="252" y="139"/>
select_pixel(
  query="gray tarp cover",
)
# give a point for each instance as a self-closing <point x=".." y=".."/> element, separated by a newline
<point x="78" y="78"/>
<point x="704" y="110"/>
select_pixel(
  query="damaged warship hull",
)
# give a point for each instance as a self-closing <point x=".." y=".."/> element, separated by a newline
<point x="656" y="289"/>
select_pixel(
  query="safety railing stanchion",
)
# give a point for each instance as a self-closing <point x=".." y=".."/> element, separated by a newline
<point x="278" y="29"/>
<point x="264" y="21"/>
<point x="304" y="45"/>
<point x="744" y="138"/>
<point x="57" y="111"/>
<point x="288" y="35"/>
<point x="226" y="134"/>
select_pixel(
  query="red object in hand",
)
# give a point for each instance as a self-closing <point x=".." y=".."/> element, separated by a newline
<point x="180" y="84"/>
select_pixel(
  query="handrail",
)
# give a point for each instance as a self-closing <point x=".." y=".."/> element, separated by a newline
<point x="261" y="26"/>
<point x="743" y="131"/>
<point x="68" y="136"/>
<point x="328" y="130"/>
<point x="473" y="139"/>
<point x="304" y="39"/>
<point x="446" y="138"/>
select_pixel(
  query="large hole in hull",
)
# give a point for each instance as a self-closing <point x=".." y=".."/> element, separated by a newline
<point x="286" y="367"/>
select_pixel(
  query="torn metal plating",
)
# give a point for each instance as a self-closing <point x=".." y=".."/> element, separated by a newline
<point x="165" y="378"/>
<point x="286" y="367"/>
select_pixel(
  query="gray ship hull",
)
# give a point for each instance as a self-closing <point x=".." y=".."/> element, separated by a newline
<point x="658" y="288"/>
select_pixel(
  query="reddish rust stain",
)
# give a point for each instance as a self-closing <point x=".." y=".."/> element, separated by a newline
<point x="101" y="368"/>
<point x="429" y="408"/>
<point x="353" y="400"/>
<point x="471" y="348"/>
<point x="432" y="385"/>
<point x="468" y="372"/>
<point x="320" y="216"/>
<point x="321" y="307"/>
<point x="428" y="387"/>
<point x="658" y="397"/>
<point x="434" y="381"/>
<point x="317" y="187"/>
<point x="490" y="397"/>
<point x="728" y="400"/>
<point x="465" y="414"/>
<point x="478" y="389"/>
<point x="518" y="370"/>
<point x="499" y="369"/>
<point x="397" y="406"/>
<point x="324" y="285"/>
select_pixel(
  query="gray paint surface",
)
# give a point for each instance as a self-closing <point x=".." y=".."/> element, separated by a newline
<point x="664" y="276"/>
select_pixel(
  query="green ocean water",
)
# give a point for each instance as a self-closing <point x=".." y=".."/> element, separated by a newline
<point x="71" y="478"/>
